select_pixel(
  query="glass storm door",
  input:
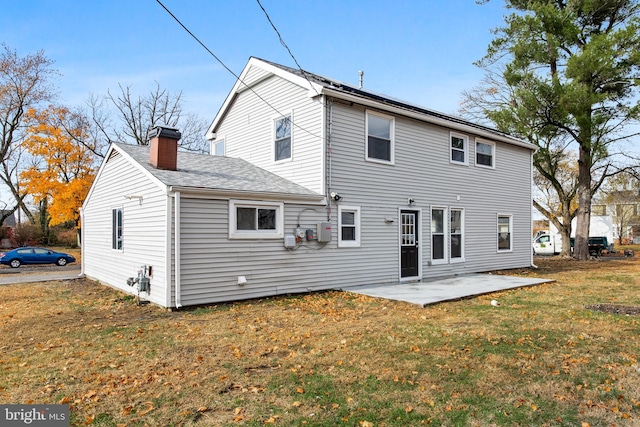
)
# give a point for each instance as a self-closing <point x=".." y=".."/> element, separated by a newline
<point x="408" y="244"/>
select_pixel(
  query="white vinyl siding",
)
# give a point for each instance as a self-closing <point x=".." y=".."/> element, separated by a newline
<point x="144" y="206"/>
<point x="248" y="129"/>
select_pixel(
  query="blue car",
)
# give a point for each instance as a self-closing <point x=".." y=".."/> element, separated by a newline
<point x="34" y="255"/>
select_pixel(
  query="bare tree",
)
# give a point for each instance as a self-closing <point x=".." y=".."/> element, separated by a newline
<point x="24" y="84"/>
<point x="126" y="117"/>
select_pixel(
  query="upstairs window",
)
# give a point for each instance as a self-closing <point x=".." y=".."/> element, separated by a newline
<point x="116" y="229"/>
<point x="379" y="137"/>
<point x="459" y="149"/>
<point x="282" y="143"/>
<point x="485" y="154"/>
<point x="217" y="147"/>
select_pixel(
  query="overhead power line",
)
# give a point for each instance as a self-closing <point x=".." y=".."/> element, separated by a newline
<point x="304" y="73"/>
<point x="231" y="71"/>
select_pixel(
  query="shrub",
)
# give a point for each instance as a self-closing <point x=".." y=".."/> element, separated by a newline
<point x="26" y="234"/>
<point x="67" y="237"/>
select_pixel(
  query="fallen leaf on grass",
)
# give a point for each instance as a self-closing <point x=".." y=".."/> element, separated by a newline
<point x="296" y="404"/>
<point x="147" y="410"/>
<point x="365" y="424"/>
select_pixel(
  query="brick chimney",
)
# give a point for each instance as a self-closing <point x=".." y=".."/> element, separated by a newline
<point x="164" y="147"/>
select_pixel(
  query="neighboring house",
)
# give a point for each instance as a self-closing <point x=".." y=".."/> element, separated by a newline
<point x="338" y="187"/>
<point x="10" y="220"/>
<point x="623" y="207"/>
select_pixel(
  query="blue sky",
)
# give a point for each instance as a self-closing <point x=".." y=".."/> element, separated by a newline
<point x="418" y="51"/>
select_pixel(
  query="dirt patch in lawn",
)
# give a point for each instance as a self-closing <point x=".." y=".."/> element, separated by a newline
<point x="615" y="309"/>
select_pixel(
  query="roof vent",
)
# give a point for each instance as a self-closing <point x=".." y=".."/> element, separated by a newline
<point x="361" y="73"/>
<point x="164" y="147"/>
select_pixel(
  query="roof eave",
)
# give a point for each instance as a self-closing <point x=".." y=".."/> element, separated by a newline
<point x="227" y="193"/>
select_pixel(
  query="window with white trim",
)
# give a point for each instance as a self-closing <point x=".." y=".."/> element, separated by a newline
<point x="459" y="144"/>
<point x="116" y="229"/>
<point x="255" y="219"/>
<point x="217" y="147"/>
<point x="505" y="237"/>
<point x="485" y="154"/>
<point x="348" y="226"/>
<point x="438" y="233"/>
<point x="282" y="138"/>
<point x="380" y="135"/>
<point x="456" y="234"/>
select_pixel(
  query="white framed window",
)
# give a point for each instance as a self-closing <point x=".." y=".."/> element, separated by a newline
<point x="217" y="147"/>
<point x="282" y="138"/>
<point x="380" y="137"/>
<point x="459" y="149"/>
<point x="348" y="226"/>
<point x="117" y="229"/>
<point x="438" y="235"/>
<point x="255" y="219"/>
<point x="485" y="154"/>
<point x="505" y="233"/>
<point x="456" y="235"/>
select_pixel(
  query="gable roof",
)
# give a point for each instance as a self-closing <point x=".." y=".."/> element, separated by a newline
<point x="204" y="173"/>
<point x="319" y="85"/>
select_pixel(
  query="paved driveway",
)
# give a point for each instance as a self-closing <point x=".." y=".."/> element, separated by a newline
<point x="446" y="289"/>
<point x="28" y="274"/>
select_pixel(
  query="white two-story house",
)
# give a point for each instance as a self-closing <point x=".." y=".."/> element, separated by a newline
<point x="311" y="184"/>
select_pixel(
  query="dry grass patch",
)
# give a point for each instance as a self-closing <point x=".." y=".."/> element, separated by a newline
<point x="326" y="359"/>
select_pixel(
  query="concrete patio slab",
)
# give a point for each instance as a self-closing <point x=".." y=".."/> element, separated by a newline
<point x="447" y="289"/>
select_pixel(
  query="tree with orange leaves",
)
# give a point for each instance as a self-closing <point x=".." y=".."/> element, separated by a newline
<point x="62" y="169"/>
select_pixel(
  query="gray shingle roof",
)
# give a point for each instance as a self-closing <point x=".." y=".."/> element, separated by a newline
<point x="204" y="171"/>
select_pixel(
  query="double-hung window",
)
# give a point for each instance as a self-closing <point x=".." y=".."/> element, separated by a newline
<point x="348" y="226"/>
<point x="116" y="229"/>
<point x="380" y="136"/>
<point x="456" y="236"/>
<point x="447" y="235"/>
<point x="438" y="233"/>
<point x="217" y="147"/>
<point x="282" y="138"/>
<point x="459" y="144"/>
<point x="255" y="220"/>
<point x="485" y="154"/>
<point x="505" y="239"/>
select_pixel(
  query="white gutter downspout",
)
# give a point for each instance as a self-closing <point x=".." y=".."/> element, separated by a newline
<point x="531" y="226"/>
<point x="177" y="248"/>
<point x="82" y="241"/>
